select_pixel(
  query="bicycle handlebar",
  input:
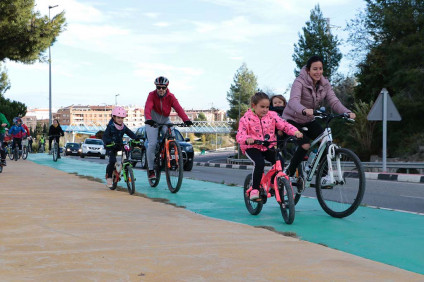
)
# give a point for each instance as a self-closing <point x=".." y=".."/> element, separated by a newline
<point x="323" y="115"/>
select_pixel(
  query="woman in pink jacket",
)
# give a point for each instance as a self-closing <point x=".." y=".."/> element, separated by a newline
<point x="308" y="92"/>
<point x="254" y="125"/>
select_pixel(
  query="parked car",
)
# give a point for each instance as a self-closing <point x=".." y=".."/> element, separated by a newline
<point x="72" y="149"/>
<point x="186" y="148"/>
<point x="93" y="147"/>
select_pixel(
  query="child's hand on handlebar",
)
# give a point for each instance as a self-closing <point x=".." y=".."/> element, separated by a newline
<point x="250" y="141"/>
<point x="298" y="134"/>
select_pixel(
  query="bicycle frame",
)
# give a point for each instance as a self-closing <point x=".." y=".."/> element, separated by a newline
<point x="164" y="144"/>
<point x="325" y="141"/>
<point x="268" y="180"/>
<point x="123" y="164"/>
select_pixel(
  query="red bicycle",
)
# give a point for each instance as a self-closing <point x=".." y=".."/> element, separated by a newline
<point x="274" y="183"/>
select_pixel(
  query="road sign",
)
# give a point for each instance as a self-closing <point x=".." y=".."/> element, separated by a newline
<point x="376" y="112"/>
<point x="384" y="109"/>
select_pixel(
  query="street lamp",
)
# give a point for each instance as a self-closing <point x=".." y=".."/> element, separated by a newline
<point x="116" y="100"/>
<point x="50" y="75"/>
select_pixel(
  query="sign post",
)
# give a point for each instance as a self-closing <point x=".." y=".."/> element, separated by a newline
<point x="384" y="109"/>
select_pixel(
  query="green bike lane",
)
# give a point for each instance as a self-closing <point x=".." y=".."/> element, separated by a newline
<point x="391" y="237"/>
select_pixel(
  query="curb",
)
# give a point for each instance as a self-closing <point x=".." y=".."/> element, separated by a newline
<point x="414" y="178"/>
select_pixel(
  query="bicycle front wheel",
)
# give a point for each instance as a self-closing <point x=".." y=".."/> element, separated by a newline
<point x="55" y="152"/>
<point x="174" y="167"/>
<point x="24" y="152"/>
<point x="16" y="153"/>
<point x="10" y="154"/>
<point x="130" y="180"/>
<point x="157" y="168"/>
<point x="115" y="180"/>
<point x="341" y="198"/>
<point x="287" y="201"/>
<point x="253" y="207"/>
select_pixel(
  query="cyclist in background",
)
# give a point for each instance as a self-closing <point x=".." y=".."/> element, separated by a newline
<point x="55" y="131"/>
<point x="3" y="124"/>
<point x="17" y="132"/>
<point x="42" y="143"/>
<point x="157" y="109"/>
<point x="255" y="124"/>
<point x="112" y="138"/>
<point x="309" y="90"/>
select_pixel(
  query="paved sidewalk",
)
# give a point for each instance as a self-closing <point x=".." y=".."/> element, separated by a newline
<point x="60" y="227"/>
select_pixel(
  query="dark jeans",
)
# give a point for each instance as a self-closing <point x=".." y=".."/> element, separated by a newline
<point x="258" y="158"/>
<point x="111" y="164"/>
<point x="314" y="130"/>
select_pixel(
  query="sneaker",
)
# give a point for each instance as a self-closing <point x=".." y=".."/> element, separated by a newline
<point x="109" y="182"/>
<point x="326" y="182"/>
<point x="254" y="194"/>
<point x="3" y="163"/>
<point x="152" y="175"/>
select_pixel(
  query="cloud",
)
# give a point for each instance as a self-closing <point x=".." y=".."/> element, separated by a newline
<point x="161" y="24"/>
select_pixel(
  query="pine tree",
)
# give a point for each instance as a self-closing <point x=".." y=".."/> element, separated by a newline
<point x="317" y="40"/>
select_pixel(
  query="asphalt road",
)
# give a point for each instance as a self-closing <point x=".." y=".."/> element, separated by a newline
<point x="395" y="195"/>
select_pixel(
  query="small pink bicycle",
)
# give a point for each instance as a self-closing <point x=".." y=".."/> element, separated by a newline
<point x="274" y="183"/>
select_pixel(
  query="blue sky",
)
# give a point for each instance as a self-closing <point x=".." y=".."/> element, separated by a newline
<point x="119" y="47"/>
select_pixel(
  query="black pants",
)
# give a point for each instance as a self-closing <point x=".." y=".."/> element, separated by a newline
<point x="3" y="147"/>
<point x="314" y="130"/>
<point x="17" y="141"/>
<point x="258" y="158"/>
<point x="111" y="164"/>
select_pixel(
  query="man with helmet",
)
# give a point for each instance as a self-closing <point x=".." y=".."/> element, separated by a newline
<point x="3" y="124"/>
<point x="112" y="138"/>
<point x="157" y="110"/>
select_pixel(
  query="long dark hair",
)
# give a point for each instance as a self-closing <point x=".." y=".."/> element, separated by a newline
<point x="258" y="97"/>
<point x="312" y="60"/>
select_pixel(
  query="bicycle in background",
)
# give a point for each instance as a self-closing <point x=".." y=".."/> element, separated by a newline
<point x="168" y="156"/>
<point x="339" y="173"/>
<point x="274" y="183"/>
<point x="124" y="169"/>
<point x="55" y="147"/>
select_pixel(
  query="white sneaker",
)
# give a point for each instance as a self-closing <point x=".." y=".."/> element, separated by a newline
<point x="326" y="182"/>
<point x="109" y="182"/>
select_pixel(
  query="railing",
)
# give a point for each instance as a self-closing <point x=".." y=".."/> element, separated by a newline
<point x="369" y="166"/>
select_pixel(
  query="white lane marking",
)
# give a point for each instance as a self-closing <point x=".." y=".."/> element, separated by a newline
<point x="415" y="197"/>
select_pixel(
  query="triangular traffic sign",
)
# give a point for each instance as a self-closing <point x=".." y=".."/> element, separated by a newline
<point x="376" y="112"/>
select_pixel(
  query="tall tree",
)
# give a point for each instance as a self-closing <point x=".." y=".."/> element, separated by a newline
<point x="317" y="40"/>
<point x="392" y="33"/>
<point x="24" y="33"/>
<point x="244" y="85"/>
<point x="24" y="37"/>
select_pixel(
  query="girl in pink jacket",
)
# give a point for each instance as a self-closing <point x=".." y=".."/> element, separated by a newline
<point x="254" y="125"/>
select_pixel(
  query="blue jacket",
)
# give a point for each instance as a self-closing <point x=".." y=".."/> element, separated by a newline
<point x="17" y="131"/>
<point x="113" y="135"/>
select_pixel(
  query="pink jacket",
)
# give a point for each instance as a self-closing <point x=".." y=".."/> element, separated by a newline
<point x="304" y="96"/>
<point x="251" y="126"/>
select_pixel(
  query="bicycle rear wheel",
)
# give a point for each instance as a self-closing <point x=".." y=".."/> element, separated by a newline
<point x="174" y="167"/>
<point x="287" y="202"/>
<point x="342" y="198"/>
<point x="55" y="151"/>
<point x="24" y="152"/>
<point x="130" y="180"/>
<point x="254" y="207"/>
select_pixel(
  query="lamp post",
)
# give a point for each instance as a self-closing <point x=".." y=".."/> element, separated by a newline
<point x="116" y="100"/>
<point x="50" y="76"/>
